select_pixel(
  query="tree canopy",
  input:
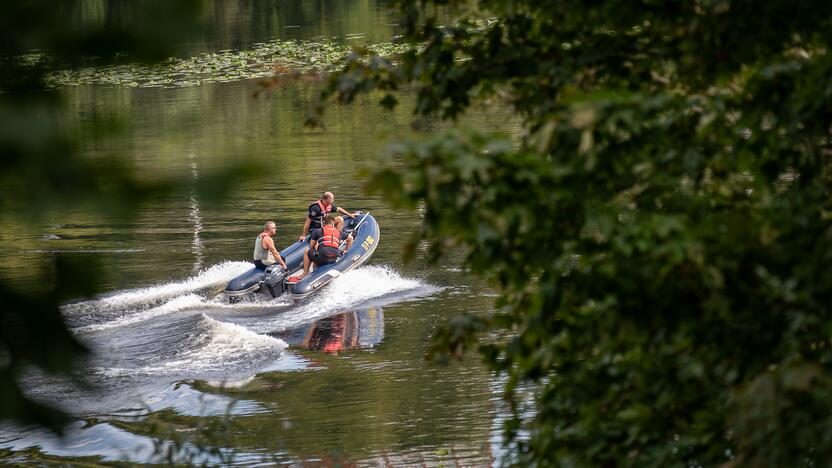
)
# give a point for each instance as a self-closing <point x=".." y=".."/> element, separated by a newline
<point x="660" y="230"/>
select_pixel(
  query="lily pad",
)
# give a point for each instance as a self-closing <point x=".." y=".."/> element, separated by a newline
<point x="263" y="60"/>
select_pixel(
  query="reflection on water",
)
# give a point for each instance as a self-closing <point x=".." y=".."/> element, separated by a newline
<point x="239" y="24"/>
<point x="350" y="330"/>
<point x="197" y="248"/>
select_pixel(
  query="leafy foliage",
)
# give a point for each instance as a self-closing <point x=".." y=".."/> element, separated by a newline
<point x="660" y="230"/>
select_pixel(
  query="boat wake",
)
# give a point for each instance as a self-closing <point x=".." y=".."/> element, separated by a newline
<point x="156" y="348"/>
<point x="147" y="341"/>
<point x="185" y="329"/>
<point x="119" y="304"/>
<point x="351" y="290"/>
<point x="174" y="305"/>
<point x="209" y="349"/>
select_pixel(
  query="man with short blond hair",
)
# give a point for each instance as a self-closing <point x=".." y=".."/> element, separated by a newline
<point x="265" y="253"/>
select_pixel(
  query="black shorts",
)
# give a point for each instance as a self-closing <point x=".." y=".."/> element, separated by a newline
<point x="321" y="259"/>
<point x="259" y="264"/>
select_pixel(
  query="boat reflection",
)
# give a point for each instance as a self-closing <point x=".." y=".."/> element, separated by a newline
<point x="349" y="330"/>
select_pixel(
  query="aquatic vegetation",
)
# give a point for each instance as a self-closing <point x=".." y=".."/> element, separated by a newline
<point x="264" y="60"/>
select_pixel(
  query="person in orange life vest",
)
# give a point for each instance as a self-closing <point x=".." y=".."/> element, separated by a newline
<point x="324" y="246"/>
<point x="264" y="252"/>
<point x="320" y="208"/>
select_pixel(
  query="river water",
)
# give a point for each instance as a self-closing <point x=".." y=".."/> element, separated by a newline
<point x="340" y="379"/>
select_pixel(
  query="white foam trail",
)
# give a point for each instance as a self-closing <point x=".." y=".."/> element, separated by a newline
<point x="350" y="289"/>
<point x="215" y="346"/>
<point x="217" y="274"/>
<point x="225" y="345"/>
<point x="256" y="302"/>
<point x="175" y="305"/>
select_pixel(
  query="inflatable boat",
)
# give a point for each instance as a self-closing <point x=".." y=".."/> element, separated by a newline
<point x="275" y="281"/>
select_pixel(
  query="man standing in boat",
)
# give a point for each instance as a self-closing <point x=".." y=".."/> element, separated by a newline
<point x="324" y="246"/>
<point x="264" y="252"/>
<point x="320" y="208"/>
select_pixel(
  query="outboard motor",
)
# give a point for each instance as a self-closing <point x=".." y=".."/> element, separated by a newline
<point x="273" y="282"/>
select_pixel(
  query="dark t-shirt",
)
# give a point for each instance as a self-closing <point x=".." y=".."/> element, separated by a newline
<point x="316" y="236"/>
<point x="316" y="215"/>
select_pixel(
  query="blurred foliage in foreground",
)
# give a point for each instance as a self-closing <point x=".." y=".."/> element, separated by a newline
<point x="662" y="231"/>
<point x="42" y="173"/>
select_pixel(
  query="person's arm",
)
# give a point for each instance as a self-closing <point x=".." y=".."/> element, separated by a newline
<point x="305" y="228"/>
<point x="270" y="246"/>
<point x="280" y="260"/>
<point x="349" y="242"/>
<point x="343" y="211"/>
<point x="314" y="235"/>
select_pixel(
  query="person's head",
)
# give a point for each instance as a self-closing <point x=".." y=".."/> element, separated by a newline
<point x="328" y="198"/>
<point x="339" y="223"/>
<point x="329" y="220"/>
<point x="270" y="227"/>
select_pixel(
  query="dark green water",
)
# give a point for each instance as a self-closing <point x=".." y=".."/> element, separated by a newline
<point x="341" y="379"/>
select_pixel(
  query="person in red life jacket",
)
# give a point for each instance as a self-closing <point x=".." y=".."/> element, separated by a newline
<point x="324" y="246"/>
<point x="318" y="209"/>
<point x="264" y="252"/>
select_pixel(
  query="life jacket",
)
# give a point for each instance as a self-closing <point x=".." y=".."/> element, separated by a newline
<point x="324" y="210"/>
<point x="331" y="237"/>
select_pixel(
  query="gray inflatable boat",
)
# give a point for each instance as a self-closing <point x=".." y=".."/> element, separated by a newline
<point x="274" y="280"/>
